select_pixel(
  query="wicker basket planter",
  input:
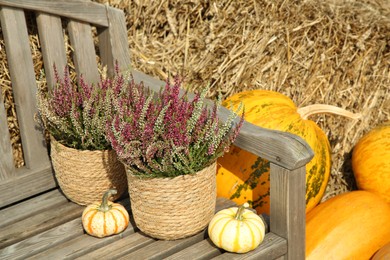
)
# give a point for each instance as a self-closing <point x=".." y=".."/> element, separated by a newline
<point x="173" y="208"/>
<point x="84" y="176"/>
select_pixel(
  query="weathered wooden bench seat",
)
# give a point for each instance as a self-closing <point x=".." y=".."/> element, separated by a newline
<point x="38" y="222"/>
<point x="51" y="229"/>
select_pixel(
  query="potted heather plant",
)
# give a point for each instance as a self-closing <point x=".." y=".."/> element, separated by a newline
<point x="84" y="163"/>
<point x="169" y="144"/>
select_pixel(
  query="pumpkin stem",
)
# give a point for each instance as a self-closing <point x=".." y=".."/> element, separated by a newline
<point x="240" y="211"/>
<point x="307" y="111"/>
<point x="104" y="206"/>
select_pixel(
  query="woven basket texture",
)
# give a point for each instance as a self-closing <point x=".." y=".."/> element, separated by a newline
<point x="84" y="176"/>
<point x="173" y="208"/>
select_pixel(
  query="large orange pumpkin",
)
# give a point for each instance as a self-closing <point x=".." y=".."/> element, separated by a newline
<point x="371" y="161"/>
<point x="353" y="225"/>
<point x="243" y="176"/>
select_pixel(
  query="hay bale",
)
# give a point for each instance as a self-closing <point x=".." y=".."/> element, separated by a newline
<point x="329" y="52"/>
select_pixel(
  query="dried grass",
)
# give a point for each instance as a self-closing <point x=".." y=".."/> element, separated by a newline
<point x="330" y="52"/>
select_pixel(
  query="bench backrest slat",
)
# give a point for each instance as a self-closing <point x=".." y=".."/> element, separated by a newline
<point x="86" y="11"/>
<point x="113" y="43"/>
<point x="7" y="168"/>
<point x="84" y="55"/>
<point x="22" y="73"/>
<point x="52" y="44"/>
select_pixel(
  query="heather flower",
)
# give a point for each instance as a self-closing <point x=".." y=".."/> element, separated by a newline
<point x="168" y="133"/>
<point x="75" y="114"/>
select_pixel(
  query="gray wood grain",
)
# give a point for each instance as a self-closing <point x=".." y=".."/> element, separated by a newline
<point x="272" y="247"/>
<point x="204" y="249"/>
<point x="120" y="248"/>
<point x="38" y="223"/>
<point x="282" y="148"/>
<point x="69" y="235"/>
<point x="22" y="73"/>
<point x="28" y="208"/>
<point x="85" y="11"/>
<point x="80" y="245"/>
<point x="113" y="42"/>
<point x="7" y="169"/>
<point x="43" y="241"/>
<point x="288" y="206"/>
<point x="51" y="37"/>
<point x="28" y="182"/>
<point x="84" y="54"/>
<point x="223" y="203"/>
<point x="162" y="248"/>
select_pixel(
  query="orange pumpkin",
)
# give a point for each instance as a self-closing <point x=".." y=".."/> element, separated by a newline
<point x="243" y="176"/>
<point x="105" y="218"/>
<point x="371" y="161"/>
<point x="353" y="225"/>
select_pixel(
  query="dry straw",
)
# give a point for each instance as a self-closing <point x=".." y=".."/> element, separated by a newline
<point x="316" y="52"/>
<point x="84" y="176"/>
<point x="173" y="208"/>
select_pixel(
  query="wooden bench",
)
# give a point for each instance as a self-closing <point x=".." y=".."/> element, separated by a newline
<point x="38" y="222"/>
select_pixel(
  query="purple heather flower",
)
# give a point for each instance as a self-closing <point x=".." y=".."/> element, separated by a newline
<point x="168" y="133"/>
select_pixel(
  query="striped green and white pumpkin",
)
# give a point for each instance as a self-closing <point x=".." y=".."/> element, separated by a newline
<point x="237" y="230"/>
<point x="105" y="218"/>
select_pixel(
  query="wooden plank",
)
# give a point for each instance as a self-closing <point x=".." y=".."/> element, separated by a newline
<point x="120" y="248"/>
<point x="113" y="42"/>
<point x="51" y="38"/>
<point x="29" y="181"/>
<point x="42" y="241"/>
<point x="284" y="149"/>
<point x="160" y="249"/>
<point x="39" y="223"/>
<point x="204" y="249"/>
<point x="80" y="245"/>
<point x="23" y="84"/>
<point x="84" y="55"/>
<point x="288" y="206"/>
<point x="7" y="168"/>
<point x="207" y="250"/>
<point x="86" y="11"/>
<point x="223" y="203"/>
<point x="272" y="247"/>
<point x="25" y="209"/>
<point x="149" y="81"/>
<point x="163" y="248"/>
<point x="58" y="235"/>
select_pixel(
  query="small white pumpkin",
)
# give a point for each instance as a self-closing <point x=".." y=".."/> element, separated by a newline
<point x="237" y="230"/>
<point x="105" y="218"/>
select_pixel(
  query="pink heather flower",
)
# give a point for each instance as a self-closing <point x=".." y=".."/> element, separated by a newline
<point x="172" y="135"/>
<point x="74" y="112"/>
